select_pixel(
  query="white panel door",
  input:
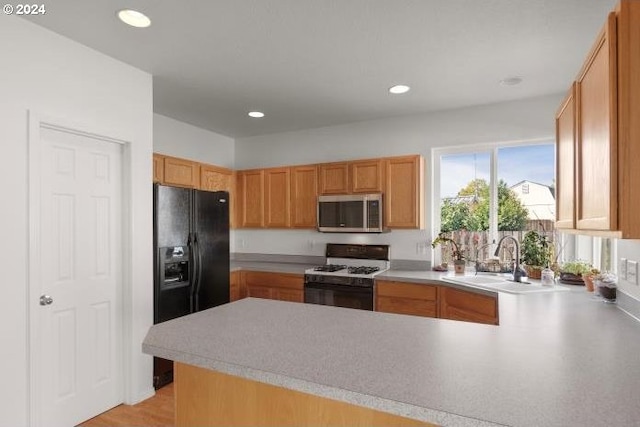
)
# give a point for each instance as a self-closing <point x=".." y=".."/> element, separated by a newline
<point x="80" y="279"/>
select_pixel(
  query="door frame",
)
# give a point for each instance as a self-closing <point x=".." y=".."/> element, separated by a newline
<point x="36" y="121"/>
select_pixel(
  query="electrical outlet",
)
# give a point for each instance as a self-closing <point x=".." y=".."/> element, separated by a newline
<point x="632" y="272"/>
<point x="622" y="269"/>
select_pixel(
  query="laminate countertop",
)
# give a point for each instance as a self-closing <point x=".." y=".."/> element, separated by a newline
<point x="557" y="359"/>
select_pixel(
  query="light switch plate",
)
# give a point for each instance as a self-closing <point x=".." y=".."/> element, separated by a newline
<point x="622" y="269"/>
<point x="632" y="272"/>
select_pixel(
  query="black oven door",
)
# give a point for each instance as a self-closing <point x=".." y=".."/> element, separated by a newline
<point x="339" y="295"/>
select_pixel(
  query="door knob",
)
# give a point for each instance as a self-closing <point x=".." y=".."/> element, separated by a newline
<point x="46" y="300"/>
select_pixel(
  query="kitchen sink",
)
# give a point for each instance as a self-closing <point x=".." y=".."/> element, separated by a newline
<point x="502" y="283"/>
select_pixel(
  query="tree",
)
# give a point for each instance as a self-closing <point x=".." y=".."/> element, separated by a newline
<point x="472" y="213"/>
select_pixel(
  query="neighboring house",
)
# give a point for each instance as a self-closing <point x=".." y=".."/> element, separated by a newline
<point x="537" y="198"/>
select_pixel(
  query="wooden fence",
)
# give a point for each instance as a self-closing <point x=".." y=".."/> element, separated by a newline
<point x="476" y="245"/>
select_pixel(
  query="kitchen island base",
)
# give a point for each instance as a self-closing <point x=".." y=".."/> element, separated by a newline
<point x="209" y="398"/>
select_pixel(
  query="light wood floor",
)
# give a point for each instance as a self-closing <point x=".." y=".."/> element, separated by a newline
<point x="157" y="411"/>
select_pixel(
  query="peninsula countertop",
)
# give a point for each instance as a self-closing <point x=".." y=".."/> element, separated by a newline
<point x="557" y="359"/>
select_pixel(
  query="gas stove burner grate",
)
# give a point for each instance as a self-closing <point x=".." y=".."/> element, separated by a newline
<point x="330" y="268"/>
<point x="362" y="270"/>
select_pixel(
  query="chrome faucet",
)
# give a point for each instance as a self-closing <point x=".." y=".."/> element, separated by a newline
<point x="517" y="272"/>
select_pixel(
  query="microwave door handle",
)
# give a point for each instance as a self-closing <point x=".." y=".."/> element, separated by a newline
<point x="365" y="214"/>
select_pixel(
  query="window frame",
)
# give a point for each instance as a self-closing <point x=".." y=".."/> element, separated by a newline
<point x="492" y="149"/>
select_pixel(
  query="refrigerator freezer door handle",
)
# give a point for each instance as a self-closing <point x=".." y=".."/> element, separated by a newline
<point x="193" y="271"/>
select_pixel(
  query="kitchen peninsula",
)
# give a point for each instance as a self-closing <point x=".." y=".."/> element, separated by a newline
<point x="557" y="359"/>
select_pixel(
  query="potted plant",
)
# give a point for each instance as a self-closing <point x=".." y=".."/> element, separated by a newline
<point x="589" y="278"/>
<point x="459" y="263"/>
<point x="535" y="253"/>
<point x="606" y="284"/>
<point x="573" y="272"/>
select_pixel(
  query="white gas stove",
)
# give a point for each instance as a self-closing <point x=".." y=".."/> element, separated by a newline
<point x="350" y="265"/>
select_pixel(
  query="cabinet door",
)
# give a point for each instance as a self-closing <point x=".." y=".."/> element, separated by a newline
<point x="259" y="292"/>
<point x="250" y="199"/>
<point x="158" y="168"/>
<point x="292" y="295"/>
<point x="334" y="178"/>
<point x="276" y="198"/>
<point x="596" y="96"/>
<point x="181" y="172"/>
<point x="565" y="162"/>
<point x="367" y="176"/>
<point x="403" y="195"/>
<point x="407" y="298"/>
<point x="456" y="304"/>
<point x="236" y="286"/>
<point x="213" y="178"/>
<point x="304" y="196"/>
<point x="280" y="286"/>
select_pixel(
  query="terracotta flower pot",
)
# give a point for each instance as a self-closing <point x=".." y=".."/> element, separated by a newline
<point x="588" y="283"/>
<point x="533" y="272"/>
<point x="459" y="266"/>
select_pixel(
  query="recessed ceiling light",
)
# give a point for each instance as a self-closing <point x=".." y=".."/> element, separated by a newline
<point x="511" y="81"/>
<point x="398" y="89"/>
<point x="134" y="18"/>
<point x="256" y="114"/>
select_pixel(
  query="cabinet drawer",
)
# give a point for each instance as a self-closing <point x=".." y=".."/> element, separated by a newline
<point x="279" y="280"/>
<point x="406" y="290"/>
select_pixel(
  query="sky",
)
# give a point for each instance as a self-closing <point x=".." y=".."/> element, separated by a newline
<point x="532" y="162"/>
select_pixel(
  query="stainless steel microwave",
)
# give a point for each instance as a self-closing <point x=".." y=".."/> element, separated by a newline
<point x="353" y="213"/>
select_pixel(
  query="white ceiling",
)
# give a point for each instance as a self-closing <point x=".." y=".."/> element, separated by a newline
<point x="313" y="63"/>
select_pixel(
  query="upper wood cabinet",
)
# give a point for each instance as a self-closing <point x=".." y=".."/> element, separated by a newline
<point x="250" y="198"/>
<point x="158" y="168"/>
<point x="367" y="176"/>
<point x="263" y="198"/>
<point x="276" y="197"/>
<point x="565" y="162"/>
<point x="359" y="176"/>
<point x="214" y="178"/>
<point x="181" y="172"/>
<point x="607" y="106"/>
<point x="404" y="192"/>
<point x="334" y="178"/>
<point x="596" y="179"/>
<point x="304" y="196"/>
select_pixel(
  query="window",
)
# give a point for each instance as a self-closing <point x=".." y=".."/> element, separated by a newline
<point x="484" y="194"/>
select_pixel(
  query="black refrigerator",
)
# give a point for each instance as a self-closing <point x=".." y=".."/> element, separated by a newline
<point x="191" y="257"/>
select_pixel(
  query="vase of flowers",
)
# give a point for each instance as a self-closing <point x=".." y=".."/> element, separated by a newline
<point x="459" y="263"/>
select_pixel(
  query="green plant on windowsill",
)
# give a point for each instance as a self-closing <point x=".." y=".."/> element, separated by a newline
<point x="535" y="253"/>
<point x="573" y="272"/>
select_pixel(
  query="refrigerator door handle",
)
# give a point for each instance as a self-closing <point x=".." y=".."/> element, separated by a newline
<point x="191" y="243"/>
<point x="198" y="274"/>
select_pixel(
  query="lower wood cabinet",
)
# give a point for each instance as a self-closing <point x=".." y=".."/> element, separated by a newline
<point x="457" y="304"/>
<point x="432" y="300"/>
<point x="235" y="290"/>
<point x="406" y="298"/>
<point x="278" y="286"/>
